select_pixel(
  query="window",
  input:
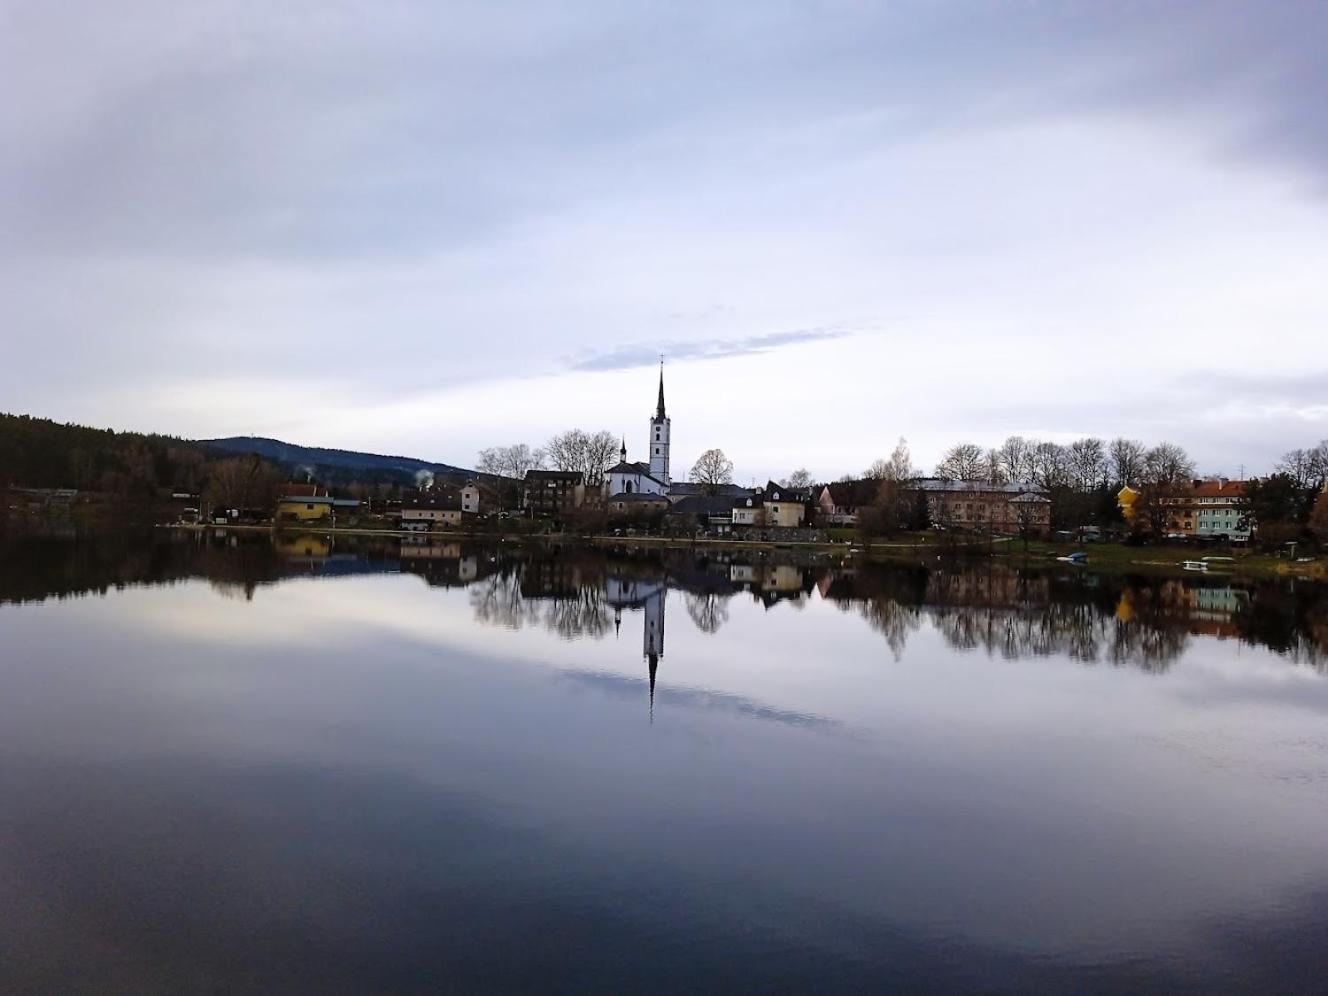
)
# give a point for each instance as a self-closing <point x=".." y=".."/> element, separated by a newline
<point x="309" y="507"/>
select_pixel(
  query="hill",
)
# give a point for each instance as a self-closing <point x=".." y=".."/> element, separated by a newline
<point x="331" y="463"/>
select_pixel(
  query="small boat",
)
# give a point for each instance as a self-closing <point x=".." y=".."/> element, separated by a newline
<point x="1195" y="565"/>
<point x="1078" y="559"/>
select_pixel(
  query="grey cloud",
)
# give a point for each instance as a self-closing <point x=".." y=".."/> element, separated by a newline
<point x="699" y="699"/>
<point x="646" y="354"/>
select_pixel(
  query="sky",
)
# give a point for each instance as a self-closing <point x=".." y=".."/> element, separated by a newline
<point x="426" y="228"/>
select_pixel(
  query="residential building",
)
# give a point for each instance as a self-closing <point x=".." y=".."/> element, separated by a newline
<point x="426" y="512"/>
<point x="1003" y="509"/>
<point x="1213" y="509"/>
<point x="837" y="504"/>
<point x="712" y="513"/>
<point x="303" y="503"/>
<point x="773" y="506"/>
<point x="552" y="492"/>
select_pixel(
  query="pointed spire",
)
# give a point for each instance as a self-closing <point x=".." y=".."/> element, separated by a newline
<point x="653" y="663"/>
<point x="659" y="410"/>
<point x="623" y="451"/>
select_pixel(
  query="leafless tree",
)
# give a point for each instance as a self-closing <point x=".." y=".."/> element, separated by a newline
<point x="800" y="478"/>
<point x="993" y="469"/>
<point x="898" y="467"/>
<point x="964" y="462"/>
<point x="1017" y="458"/>
<point x="1167" y="463"/>
<point x="1051" y="465"/>
<point x="590" y="453"/>
<point x="510" y="461"/>
<point x="1308" y="468"/>
<point x="1088" y="457"/>
<point x="712" y="468"/>
<point x="1127" y="460"/>
<point x="242" y="483"/>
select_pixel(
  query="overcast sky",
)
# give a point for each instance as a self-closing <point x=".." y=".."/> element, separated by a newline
<point x="427" y="228"/>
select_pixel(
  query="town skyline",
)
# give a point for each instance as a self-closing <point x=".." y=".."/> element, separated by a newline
<point x="439" y="229"/>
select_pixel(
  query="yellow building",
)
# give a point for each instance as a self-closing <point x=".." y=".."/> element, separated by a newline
<point x="781" y="508"/>
<point x="1125" y="499"/>
<point x="303" y="508"/>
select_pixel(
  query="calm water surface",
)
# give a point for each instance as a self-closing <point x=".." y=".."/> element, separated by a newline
<point x="292" y="766"/>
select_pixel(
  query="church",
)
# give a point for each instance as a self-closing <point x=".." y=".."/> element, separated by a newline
<point x="650" y="478"/>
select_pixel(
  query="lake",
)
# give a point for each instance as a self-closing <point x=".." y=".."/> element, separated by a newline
<point x="235" y="763"/>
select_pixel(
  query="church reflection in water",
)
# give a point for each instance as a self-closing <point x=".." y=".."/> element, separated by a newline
<point x="579" y="592"/>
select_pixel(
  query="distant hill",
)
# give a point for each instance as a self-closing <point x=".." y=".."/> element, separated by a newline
<point x="333" y="463"/>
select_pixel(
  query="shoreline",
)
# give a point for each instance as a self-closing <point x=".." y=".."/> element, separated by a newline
<point x="1102" y="557"/>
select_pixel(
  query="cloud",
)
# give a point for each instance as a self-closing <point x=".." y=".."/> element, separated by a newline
<point x="647" y="354"/>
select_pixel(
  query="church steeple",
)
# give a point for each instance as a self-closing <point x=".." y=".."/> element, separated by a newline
<point x="659" y="436"/>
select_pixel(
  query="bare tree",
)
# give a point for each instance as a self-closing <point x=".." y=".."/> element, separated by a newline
<point x="1051" y="466"/>
<point x="242" y="483"/>
<point x="1308" y="468"/>
<point x="1017" y="458"/>
<point x="510" y="461"/>
<point x="964" y="462"/>
<point x="1127" y="460"/>
<point x="878" y="471"/>
<point x="1088" y="458"/>
<point x="1167" y="463"/>
<point x="800" y="478"/>
<point x="898" y="467"/>
<point x="993" y="469"/>
<point x="590" y="453"/>
<point x="712" y="468"/>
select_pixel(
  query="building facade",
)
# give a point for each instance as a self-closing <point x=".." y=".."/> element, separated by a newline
<point x="552" y="492"/>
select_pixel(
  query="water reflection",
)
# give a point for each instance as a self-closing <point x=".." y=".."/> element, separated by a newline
<point x="576" y="593"/>
<point x="374" y="765"/>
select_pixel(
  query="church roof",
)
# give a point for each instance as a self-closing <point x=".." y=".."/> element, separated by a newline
<point x="642" y="469"/>
<point x="659" y="409"/>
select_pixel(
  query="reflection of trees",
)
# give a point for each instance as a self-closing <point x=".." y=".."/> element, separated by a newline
<point x="497" y="601"/>
<point x="894" y="620"/>
<point x="708" y="610"/>
<point x="583" y="614"/>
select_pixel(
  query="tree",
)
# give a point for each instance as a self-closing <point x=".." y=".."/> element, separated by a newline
<point x="800" y="478"/>
<point x="1275" y="504"/>
<point x="590" y="453"/>
<point x="1051" y="465"/>
<point x="962" y="463"/>
<point x="712" y="468"/>
<point x="1167" y="463"/>
<point x="1016" y="455"/>
<point x="510" y="461"/>
<point x="1088" y="459"/>
<point x="242" y="483"/>
<point x="993" y="470"/>
<point x="1127" y="460"/>
<point x="898" y="467"/>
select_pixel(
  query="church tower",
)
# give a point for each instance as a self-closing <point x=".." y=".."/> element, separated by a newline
<point x="659" y="436"/>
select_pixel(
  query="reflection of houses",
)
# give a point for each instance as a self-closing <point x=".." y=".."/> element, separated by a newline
<point x="771" y="583"/>
<point x="441" y="565"/>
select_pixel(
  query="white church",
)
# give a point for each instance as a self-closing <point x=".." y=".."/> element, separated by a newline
<point x="650" y="478"/>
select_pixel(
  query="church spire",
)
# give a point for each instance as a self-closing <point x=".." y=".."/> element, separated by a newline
<point x="659" y="410"/>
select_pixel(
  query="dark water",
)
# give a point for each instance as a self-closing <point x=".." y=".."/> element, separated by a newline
<point x="238" y="766"/>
